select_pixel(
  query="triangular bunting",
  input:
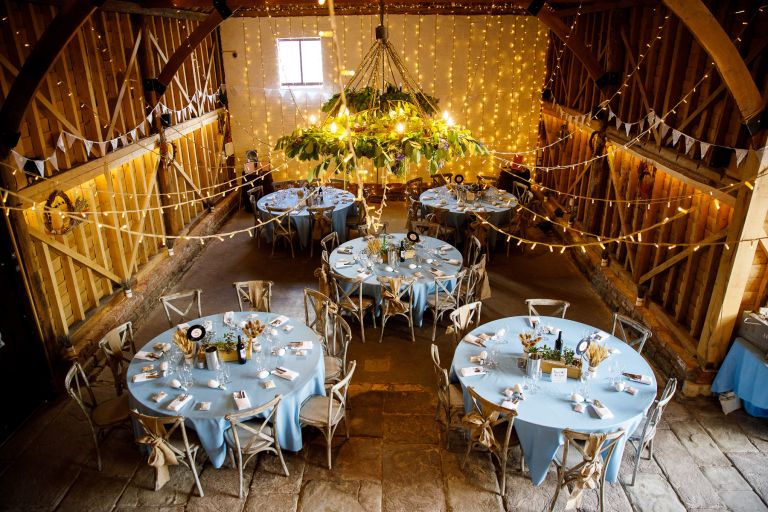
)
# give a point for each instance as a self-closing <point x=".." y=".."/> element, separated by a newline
<point x="642" y="124"/>
<point x="627" y="127"/>
<point x="124" y="140"/>
<point x="142" y="129"/>
<point x="740" y="154"/>
<point x="88" y="146"/>
<point x="102" y="148"/>
<point x="618" y="123"/>
<point x="54" y="161"/>
<point x="150" y="117"/>
<point x="664" y="129"/>
<point x="688" y="143"/>
<point x="675" y="136"/>
<point x="611" y="115"/>
<point x="113" y="143"/>
<point x="704" y="147"/>
<point x="70" y="139"/>
<point x="178" y="116"/>
<point x="60" y="143"/>
<point x="21" y="161"/>
<point x="40" y="164"/>
<point x="134" y="136"/>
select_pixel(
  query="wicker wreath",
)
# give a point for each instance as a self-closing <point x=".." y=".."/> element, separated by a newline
<point x="74" y="212"/>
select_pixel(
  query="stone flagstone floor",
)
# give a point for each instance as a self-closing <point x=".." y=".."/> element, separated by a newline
<point x="394" y="459"/>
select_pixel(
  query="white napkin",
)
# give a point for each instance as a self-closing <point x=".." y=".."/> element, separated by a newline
<point x="344" y="250"/>
<point x="472" y="370"/>
<point x="631" y="390"/>
<point x="183" y="327"/>
<point x="437" y="272"/>
<point x="444" y="248"/>
<point x="241" y="403"/>
<point x="268" y="384"/>
<point x="285" y="373"/>
<point x="418" y="275"/>
<point x="509" y="404"/>
<point x="363" y="275"/>
<point x="453" y="261"/>
<point x="603" y="412"/>
<point x="162" y="347"/>
<point x="179" y="402"/>
<point x="277" y="322"/>
<point x="146" y="356"/>
<point x="636" y="377"/>
<point x="473" y="340"/>
<point x="301" y="345"/>
<point x="145" y="376"/>
<point x="340" y="264"/>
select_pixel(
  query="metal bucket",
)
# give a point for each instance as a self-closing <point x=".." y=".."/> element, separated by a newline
<point x="533" y="366"/>
<point x="212" y="358"/>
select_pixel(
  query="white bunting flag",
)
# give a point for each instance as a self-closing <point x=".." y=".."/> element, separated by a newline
<point x="113" y="143"/>
<point x="178" y="116"/>
<point x="88" y="146"/>
<point x="763" y="157"/>
<point x="40" y="164"/>
<point x="664" y="129"/>
<point x="134" y="136"/>
<point x="20" y="160"/>
<point x="70" y="139"/>
<point x="688" y="143"/>
<point x="651" y="117"/>
<point x="618" y="123"/>
<point x="142" y="129"/>
<point x="54" y="161"/>
<point x="102" y="148"/>
<point x="740" y="154"/>
<point x="150" y="117"/>
<point x="627" y="127"/>
<point x="704" y="147"/>
<point x="642" y="124"/>
<point x="675" y="136"/>
<point x="60" y="143"/>
<point x="124" y="140"/>
<point x="611" y="115"/>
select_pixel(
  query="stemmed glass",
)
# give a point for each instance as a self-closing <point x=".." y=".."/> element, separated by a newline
<point x="185" y="376"/>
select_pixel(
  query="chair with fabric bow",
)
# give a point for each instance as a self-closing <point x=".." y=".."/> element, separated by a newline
<point x="249" y="435"/>
<point x="190" y="298"/>
<point x="585" y="453"/>
<point x="450" y="400"/>
<point x="348" y="295"/>
<point x="646" y="431"/>
<point x="327" y="412"/>
<point x="560" y="307"/>
<point x="414" y="212"/>
<point x="118" y="348"/>
<point x="330" y="242"/>
<point x="335" y="346"/>
<point x="258" y="294"/>
<point x="464" y="319"/>
<point x="254" y="194"/>
<point x="322" y="224"/>
<point x="476" y="286"/>
<point x="396" y="300"/>
<point x="630" y="331"/>
<point x="282" y="228"/>
<point x="322" y="274"/>
<point x="445" y="298"/>
<point x="474" y="251"/>
<point x="170" y="445"/>
<point x="490" y="428"/>
<point x="317" y="309"/>
<point x="477" y="232"/>
<point x="102" y="416"/>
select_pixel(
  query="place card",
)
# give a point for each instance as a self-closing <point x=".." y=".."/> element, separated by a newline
<point x="156" y="397"/>
<point x="268" y="384"/>
<point x="280" y="320"/>
<point x="559" y="375"/>
<point x="203" y="406"/>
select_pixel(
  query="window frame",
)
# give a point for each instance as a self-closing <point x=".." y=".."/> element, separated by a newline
<point x="289" y="85"/>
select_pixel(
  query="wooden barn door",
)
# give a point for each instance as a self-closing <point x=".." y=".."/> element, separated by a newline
<point x="25" y="378"/>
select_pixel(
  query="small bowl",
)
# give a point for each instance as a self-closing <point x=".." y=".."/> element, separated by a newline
<point x="176" y="383"/>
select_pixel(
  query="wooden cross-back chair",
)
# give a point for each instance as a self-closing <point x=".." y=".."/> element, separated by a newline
<point x="339" y="334"/>
<point x="630" y="331"/>
<point x="348" y="296"/>
<point x="560" y="307"/>
<point x="450" y="400"/>
<point x="322" y="224"/>
<point x="282" y="228"/>
<point x="317" y="309"/>
<point x="190" y="298"/>
<point x="257" y="293"/>
<point x="396" y="300"/>
<point x="118" y="348"/>
<point x="464" y="319"/>
<point x="446" y="297"/>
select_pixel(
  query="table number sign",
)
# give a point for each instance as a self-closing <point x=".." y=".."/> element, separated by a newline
<point x="559" y="375"/>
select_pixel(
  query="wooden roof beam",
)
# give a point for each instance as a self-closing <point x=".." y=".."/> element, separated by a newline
<point x="46" y="51"/>
<point x="711" y="36"/>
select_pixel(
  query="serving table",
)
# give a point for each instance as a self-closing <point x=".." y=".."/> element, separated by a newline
<point x="745" y="372"/>
<point x="210" y="425"/>
<point x="497" y="205"/>
<point x="542" y="415"/>
<point x="341" y="200"/>
<point x="350" y="258"/>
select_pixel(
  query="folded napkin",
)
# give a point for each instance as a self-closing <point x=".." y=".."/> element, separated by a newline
<point x="472" y="370"/>
<point x="453" y="261"/>
<point x="147" y="356"/>
<point x="241" y="400"/>
<point x="179" y="402"/>
<point x="478" y="359"/>
<point x="474" y="340"/>
<point x="363" y="274"/>
<point x="579" y="407"/>
<point x="277" y="322"/>
<point x="301" y="345"/>
<point x="444" y="248"/>
<point x="437" y="272"/>
<point x="285" y="373"/>
<point x="509" y="404"/>
<point x="145" y="376"/>
<point x="343" y="264"/>
<point x="229" y="317"/>
<point x="636" y="377"/>
<point x="631" y="390"/>
<point x="344" y="250"/>
<point x="162" y="347"/>
<point x="156" y="397"/>
<point x="183" y="327"/>
<point x="602" y="411"/>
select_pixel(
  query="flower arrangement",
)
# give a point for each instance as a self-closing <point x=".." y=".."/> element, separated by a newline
<point x="529" y="342"/>
<point x="596" y="354"/>
<point x="373" y="245"/>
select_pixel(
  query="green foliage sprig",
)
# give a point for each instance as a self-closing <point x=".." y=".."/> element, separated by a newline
<point x="367" y="98"/>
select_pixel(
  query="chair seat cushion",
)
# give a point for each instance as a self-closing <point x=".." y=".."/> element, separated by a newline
<point x="333" y="367"/>
<point x="111" y="412"/>
<point x="314" y="411"/>
<point x="246" y="437"/>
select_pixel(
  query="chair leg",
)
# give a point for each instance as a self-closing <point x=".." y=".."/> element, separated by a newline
<point x="383" y="323"/>
<point x="503" y="473"/>
<point x="650" y="449"/>
<point x="466" y="453"/>
<point x="193" y="467"/>
<point x="362" y="327"/>
<point x="98" y="451"/>
<point x="557" y="492"/>
<point x="240" y="471"/>
<point x="638" y="453"/>
<point x="434" y="324"/>
<point x="410" y="324"/>
<point x="280" y="456"/>
<point x="328" y="440"/>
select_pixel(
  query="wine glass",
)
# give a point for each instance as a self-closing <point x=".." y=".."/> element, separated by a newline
<point x="224" y="376"/>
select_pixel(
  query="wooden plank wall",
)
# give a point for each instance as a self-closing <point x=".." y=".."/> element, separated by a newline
<point x="94" y="91"/>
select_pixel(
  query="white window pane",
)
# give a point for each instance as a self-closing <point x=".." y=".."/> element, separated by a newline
<point x="289" y="57"/>
<point x="312" y="61"/>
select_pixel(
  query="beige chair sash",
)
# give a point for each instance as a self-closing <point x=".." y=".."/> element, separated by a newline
<point x="482" y="429"/>
<point x="321" y="223"/>
<point x="483" y="290"/>
<point x="586" y="474"/>
<point x="160" y="457"/>
<point x="323" y="284"/>
<point x="390" y="293"/>
<point x="257" y="295"/>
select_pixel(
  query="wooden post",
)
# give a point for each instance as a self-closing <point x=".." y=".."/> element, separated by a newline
<point x="147" y="70"/>
<point x="735" y="266"/>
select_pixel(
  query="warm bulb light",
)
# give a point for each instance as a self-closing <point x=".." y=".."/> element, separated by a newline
<point x="400" y="128"/>
<point x="320" y="2"/>
<point x="313" y="119"/>
<point x="332" y="128"/>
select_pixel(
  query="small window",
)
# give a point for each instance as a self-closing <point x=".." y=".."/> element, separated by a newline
<point x="300" y="61"/>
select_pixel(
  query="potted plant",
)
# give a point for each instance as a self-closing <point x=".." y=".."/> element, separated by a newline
<point x="552" y="358"/>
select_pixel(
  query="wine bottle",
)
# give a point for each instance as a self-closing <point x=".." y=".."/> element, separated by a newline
<point x="559" y="342"/>
<point x="240" y="350"/>
<point x="402" y="250"/>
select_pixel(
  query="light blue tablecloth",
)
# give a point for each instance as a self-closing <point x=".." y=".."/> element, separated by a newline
<point x="210" y="425"/>
<point x="423" y="286"/>
<point x="745" y="372"/>
<point x="441" y="197"/>
<point x="341" y="199"/>
<point x="542" y="416"/>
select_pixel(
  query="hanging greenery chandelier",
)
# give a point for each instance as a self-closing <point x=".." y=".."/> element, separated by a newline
<point x="383" y="116"/>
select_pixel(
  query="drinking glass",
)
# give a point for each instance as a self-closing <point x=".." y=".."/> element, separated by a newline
<point x="185" y="376"/>
<point x="224" y="376"/>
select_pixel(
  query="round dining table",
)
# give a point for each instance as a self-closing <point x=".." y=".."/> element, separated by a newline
<point x="544" y="413"/>
<point x="433" y="257"/>
<point x="210" y="425"/>
<point x="341" y="200"/>
<point x="497" y="204"/>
